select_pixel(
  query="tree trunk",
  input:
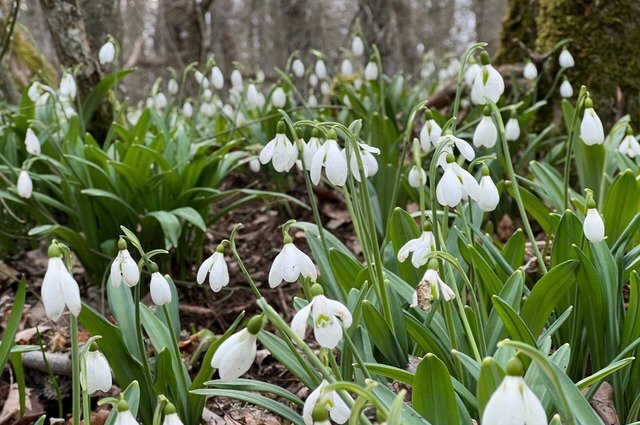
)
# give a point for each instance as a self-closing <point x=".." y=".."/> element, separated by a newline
<point x="519" y="22"/>
<point x="101" y="17"/>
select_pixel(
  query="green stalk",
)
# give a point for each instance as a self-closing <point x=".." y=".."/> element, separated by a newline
<point x="75" y="370"/>
<point x="459" y="85"/>
<point x="86" y="405"/>
<point x="567" y="159"/>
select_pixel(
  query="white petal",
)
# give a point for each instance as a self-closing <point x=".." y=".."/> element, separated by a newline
<point x="512" y="129"/>
<point x="505" y="407"/>
<point x="593" y="226"/>
<point x="488" y="197"/>
<point x="130" y="271"/>
<point x="340" y="412"/>
<point x="339" y="310"/>
<point x="24" y="185"/>
<point x="326" y="328"/>
<point x="219" y="275"/>
<point x="299" y="322"/>
<point x="407" y="248"/>
<point x="227" y="344"/>
<point x="125" y="418"/>
<point x="114" y="274"/>
<point x="267" y="152"/>
<point x="469" y="183"/>
<point x="591" y="130"/>
<point x="336" y="164"/>
<point x="316" y="164"/>
<point x="239" y="358"/>
<point x="275" y="273"/>
<point x="204" y="269"/>
<point x="52" y="297"/>
<point x="172" y="419"/>
<point x="486" y="133"/>
<point x="307" y="268"/>
<point x="451" y="188"/>
<point x="290" y="264"/>
<point x="465" y="148"/>
<point x="70" y="292"/>
<point x="159" y="288"/>
<point x="310" y="403"/>
<point x="534" y="412"/>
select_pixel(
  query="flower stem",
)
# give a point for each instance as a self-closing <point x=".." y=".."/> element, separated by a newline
<point x="567" y="158"/>
<point x="75" y="370"/>
<point x="234" y="251"/>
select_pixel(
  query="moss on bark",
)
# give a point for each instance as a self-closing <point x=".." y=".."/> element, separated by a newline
<point x="519" y="22"/>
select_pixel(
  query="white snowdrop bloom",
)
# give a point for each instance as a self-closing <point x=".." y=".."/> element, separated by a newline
<point x="280" y="151"/>
<point x="207" y="109"/>
<point x="346" y="101"/>
<point x="253" y="96"/>
<point x="172" y="87"/>
<point x="512" y="129"/>
<point x="326" y="316"/>
<point x="227" y="110"/>
<point x="629" y="145"/>
<point x="235" y="355"/>
<point x="32" y="142"/>
<point x="371" y="71"/>
<point x="566" y="90"/>
<point x="160" y="290"/>
<point x="160" y="100"/>
<point x="149" y="102"/>
<point x="59" y="289"/>
<point x="133" y="115"/>
<point x="430" y="132"/>
<point x="417" y="177"/>
<point x="488" y="83"/>
<point x="278" y="98"/>
<point x="437" y="285"/>
<point x="419" y="248"/>
<point x="472" y="72"/>
<point x="42" y="100"/>
<point x="67" y="108"/>
<point x="565" y="59"/>
<point x="254" y="164"/>
<point x="488" y="196"/>
<point x="311" y="147"/>
<point x="260" y="76"/>
<point x="357" y="46"/>
<point x="593" y="225"/>
<point x="107" y="53"/>
<point x="24" y="184"/>
<point x="455" y="185"/>
<point x="172" y="419"/>
<point x="68" y="88"/>
<point x="217" y="79"/>
<point x="333" y="159"/>
<point x="236" y="80"/>
<point x="217" y="269"/>
<point x="357" y="83"/>
<point x="35" y="91"/>
<point x="98" y="373"/>
<point x="346" y="67"/>
<point x="313" y="80"/>
<point x="325" y="88"/>
<point x="486" y="133"/>
<point x="187" y="109"/>
<point x="298" y="68"/>
<point x="290" y="264"/>
<point x="124" y="416"/>
<point x="591" y="130"/>
<point x="369" y="162"/>
<point x="513" y="403"/>
<point x="331" y="400"/>
<point x="312" y="101"/>
<point x="530" y="71"/>
<point x="207" y="94"/>
<point x="321" y="69"/>
<point x="201" y="79"/>
<point x="124" y="269"/>
<point x="465" y="149"/>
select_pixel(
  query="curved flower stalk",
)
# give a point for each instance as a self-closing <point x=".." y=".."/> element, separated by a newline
<point x="488" y="196"/>
<point x="124" y="268"/>
<point x="235" y="355"/>
<point x="97" y="371"/>
<point x="59" y="289"/>
<point x="329" y="401"/>
<point x="311" y="147"/>
<point x="217" y="269"/>
<point x="430" y="132"/>
<point x="280" y="151"/>
<point x="333" y="159"/>
<point x="488" y="83"/>
<point x="591" y="130"/>
<point x="486" y="133"/>
<point x="419" y="248"/>
<point x="326" y="316"/>
<point x="290" y="264"/>
<point x="456" y="184"/>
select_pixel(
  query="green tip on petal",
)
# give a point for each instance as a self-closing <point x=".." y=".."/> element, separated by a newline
<point x="153" y="267"/>
<point x="588" y="103"/>
<point x="316" y="132"/>
<point x="320" y="413"/>
<point x="484" y="58"/>
<point x="316" y="289"/>
<point x="450" y="158"/>
<point x="281" y="127"/>
<point x="220" y="248"/>
<point x="169" y="409"/>
<point x="93" y="347"/>
<point x="514" y="367"/>
<point x="123" y="406"/>
<point x="54" y="250"/>
<point x="255" y="325"/>
<point x="427" y="226"/>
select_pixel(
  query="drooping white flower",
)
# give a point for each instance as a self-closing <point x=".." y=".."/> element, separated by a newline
<point x="160" y="290"/>
<point x="235" y="355"/>
<point x="629" y="145"/>
<point x="280" y="151"/>
<point x="593" y="225"/>
<point x="254" y="164"/>
<point x="369" y="162"/>
<point x="565" y="59"/>
<point x="59" y="289"/>
<point x="217" y="79"/>
<point x="321" y="69"/>
<point x="488" y="196"/>
<point x="417" y="177"/>
<point x="442" y="289"/>
<point x="513" y="403"/>
<point x="298" y="68"/>
<point x="68" y="87"/>
<point x="124" y="416"/>
<point x="207" y="94"/>
<point x="313" y="80"/>
<point x="512" y="129"/>
<point x="371" y="71"/>
<point x="486" y="133"/>
<point x="325" y="88"/>
<point x="201" y="79"/>
<point x="254" y="97"/>
<point x="326" y="316"/>
<point x="430" y="132"/>
<point x="24" y="184"/>
<point x="217" y="268"/>
<point x="290" y="264"/>
<point x="312" y="101"/>
<point x="456" y="185"/>
<point x="530" y="71"/>
<point x="227" y="111"/>
<point x="472" y="72"/>
<point x="98" y="373"/>
<point x="160" y="100"/>
<point x="465" y="149"/>
<point x="311" y="147"/>
<point x="107" y="53"/>
<point x="207" y="109"/>
<point x="331" y="400"/>
<point x="260" y="76"/>
<point x="334" y="161"/>
<point x="35" y="91"/>
<point x="124" y="269"/>
<point x="187" y="109"/>
<point x="278" y="98"/>
<point x="591" y="130"/>
<point x="566" y="90"/>
<point x="488" y="83"/>
<point x="172" y="419"/>
<point x="431" y="288"/>
<point x="357" y="46"/>
<point x="346" y="67"/>
<point x="172" y="87"/>
<point x="236" y="80"/>
<point x="419" y="248"/>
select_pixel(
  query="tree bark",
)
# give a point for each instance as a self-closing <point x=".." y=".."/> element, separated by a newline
<point x="519" y="22"/>
<point x="101" y="17"/>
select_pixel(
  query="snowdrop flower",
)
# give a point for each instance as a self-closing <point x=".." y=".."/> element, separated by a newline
<point x="357" y="46"/>
<point x="333" y="159"/>
<point x="259" y="76"/>
<point x="565" y="59"/>
<point x="280" y="151"/>
<point x="513" y="403"/>
<point x="35" y="91"/>
<point x="254" y="97"/>
<point x="172" y="87"/>
<point x="216" y="78"/>
<point x="629" y="145"/>
<point x="124" y="416"/>
<point x="530" y="71"/>
<point x="326" y="316"/>
<point x="321" y="69"/>
<point x="290" y="264"/>
<point x="227" y="110"/>
<point x="369" y="162"/>
<point x="456" y="185"/>
<point x="254" y="164"/>
<point x="463" y="146"/>
<point x="488" y="196"/>
<point x="512" y="129"/>
<point x="324" y="88"/>
<point x="346" y="67"/>
<point x="417" y="177"/>
<point x="187" y="109"/>
<point x="59" y="289"/>
<point x="430" y="132"/>
<point x="124" y="268"/>
<point x="160" y="100"/>
<point x="107" y="53"/>
<point x="566" y="90"/>
<point x="97" y="369"/>
<point x="170" y="416"/>
<point x="160" y="290"/>
<point x="278" y="97"/>
<point x="42" y="100"/>
<point x="32" y="142"/>
<point x="371" y="71"/>
<point x="313" y="80"/>
<point x="357" y="83"/>
<point x="486" y="133"/>
<point x="488" y="83"/>
<point x="593" y="225"/>
<point x="330" y="400"/>
<point x="207" y="94"/>
<point x="68" y="87"/>
<point x="419" y="248"/>
<point x="312" y="101"/>
<point x="201" y="79"/>
<point x="431" y="288"/>
<point x="311" y="147"/>
<point x="24" y="185"/>
<point x="298" y="68"/>
<point x="217" y="269"/>
<point x="236" y="80"/>
<point x="207" y="109"/>
<point x="591" y="130"/>
<point x="236" y="354"/>
<point x="472" y="72"/>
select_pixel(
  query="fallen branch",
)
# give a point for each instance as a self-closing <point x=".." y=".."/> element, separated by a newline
<point x="59" y="363"/>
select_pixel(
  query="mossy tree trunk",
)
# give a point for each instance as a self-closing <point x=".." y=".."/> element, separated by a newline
<point x="519" y="22"/>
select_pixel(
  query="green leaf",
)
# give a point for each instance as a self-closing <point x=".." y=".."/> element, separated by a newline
<point x="132" y="395"/>
<point x="402" y="228"/>
<point x="281" y="352"/>
<point x="535" y="207"/>
<point x="94" y="98"/>
<point x="433" y="396"/>
<point x="511" y="293"/>
<point x="345" y="269"/>
<point x="382" y="336"/>
<point x="491" y="375"/>
<point x="255" y="386"/>
<point x="191" y="215"/>
<point x="170" y="225"/>
<point x="13" y="323"/>
<point x="621" y="204"/>
<point x="515" y="326"/>
<point x="123" y="309"/>
<point x="513" y="250"/>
